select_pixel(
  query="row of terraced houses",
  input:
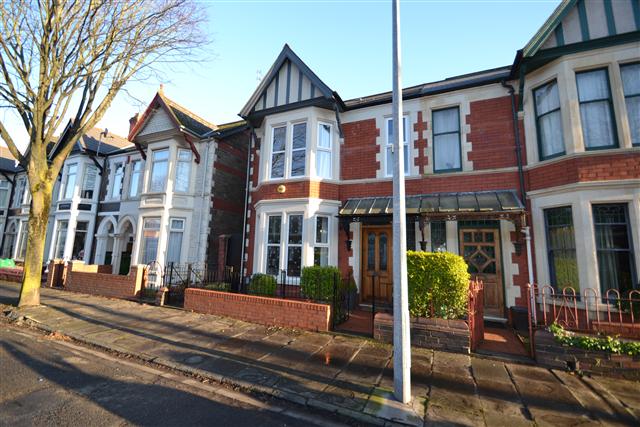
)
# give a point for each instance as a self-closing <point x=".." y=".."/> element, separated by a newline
<point x="530" y="171"/>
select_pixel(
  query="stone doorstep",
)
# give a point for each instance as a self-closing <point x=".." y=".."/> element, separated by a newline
<point x="375" y="412"/>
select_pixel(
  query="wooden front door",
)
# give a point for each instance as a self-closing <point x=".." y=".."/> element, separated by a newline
<point x="377" y="263"/>
<point x="481" y="250"/>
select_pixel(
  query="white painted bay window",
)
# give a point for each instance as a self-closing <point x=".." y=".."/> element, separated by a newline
<point x="324" y="167"/>
<point x="89" y="181"/>
<point x="446" y="140"/>
<point x="174" y="245"/>
<point x="596" y="109"/>
<point x="321" y="249"/>
<point x="278" y="151"/>
<point x="70" y="182"/>
<point x="298" y="149"/>
<point x="288" y="158"/>
<point x="389" y="150"/>
<point x="548" y="121"/>
<point x="151" y="236"/>
<point x="118" y="177"/>
<point x="159" y="170"/>
<point x="183" y="171"/>
<point x="631" y="86"/>
<point x="136" y="178"/>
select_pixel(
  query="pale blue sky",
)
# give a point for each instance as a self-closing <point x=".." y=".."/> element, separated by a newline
<point x="346" y="43"/>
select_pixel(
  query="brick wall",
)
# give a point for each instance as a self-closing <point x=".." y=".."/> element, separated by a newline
<point x="552" y="354"/>
<point x="583" y="169"/>
<point x="358" y="153"/>
<point x="491" y="134"/>
<point x="437" y="334"/>
<point x="11" y="274"/>
<point x="97" y="280"/>
<point x="265" y="311"/>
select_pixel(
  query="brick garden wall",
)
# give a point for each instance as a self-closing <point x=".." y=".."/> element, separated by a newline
<point x="265" y="311"/>
<point x="98" y="280"/>
<point x="437" y="334"/>
<point x="552" y="354"/>
<point x="11" y="274"/>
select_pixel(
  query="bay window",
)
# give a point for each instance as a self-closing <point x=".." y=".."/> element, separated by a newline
<point x="4" y="194"/>
<point x="631" y="87"/>
<point x="136" y="178"/>
<point x="118" y="177"/>
<point x="151" y="235"/>
<point x="389" y="150"/>
<point x="288" y="158"/>
<point x="298" y="149"/>
<point x="613" y="247"/>
<point x="446" y="140"/>
<point x="70" y="182"/>
<point x="321" y="249"/>
<point x="183" y="171"/>
<point x="159" y="170"/>
<point x="323" y="152"/>
<point x="89" y="181"/>
<point x="596" y="109"/>
<point x="174" y="245"/>
<point x="561" y="248"/>
<point x="548" y="120"/>
<point x="274" y="226"/>
<point x="278" y="150"/>
<point x="19" y="193"/>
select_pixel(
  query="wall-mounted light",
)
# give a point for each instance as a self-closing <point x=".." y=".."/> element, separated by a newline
<point x="281" y="189"/>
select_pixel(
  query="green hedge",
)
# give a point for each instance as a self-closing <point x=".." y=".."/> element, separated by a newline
<point x="316" y="282"/>
<point x="438" y="279"/>
<point x="607" y="343"/>
<point x="262" y="284"/>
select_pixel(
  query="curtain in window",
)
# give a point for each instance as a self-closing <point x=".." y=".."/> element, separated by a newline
<point x="561" y="247"/>
<point x="613" y="247"/>
<point x="150" y="249"/>
<point x="595" y="109"/>
<point x="174" y="247"/>
<point x="446" y="139"/>
<point x="549" y="120"/>
<point x="631" y="85"/>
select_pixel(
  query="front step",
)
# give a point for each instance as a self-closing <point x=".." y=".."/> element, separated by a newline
<point x="380" y="307"/>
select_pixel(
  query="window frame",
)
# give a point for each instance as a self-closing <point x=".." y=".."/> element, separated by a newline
<point x="183" y="163"/>
<point x="154" y="162"/>
<point x="318" y="244"/>
<point x="66" y="182"/>
<point x="133" y="173"/>
<point x="389" y="144"/>
<point x="442" y="223"/>
<point x="614" y="125"/>
<point x="23" y="237"/>
<point x="85" y="179"/>
<point x="18" y="195"/>
<point x="144" y="238"/>
<point x="269" y="244"/>
<point x="433" y="140"/>
<point x="291" y="150"/>
<point x="6" y="189"/>
<point x="10" y="237"/>
<point x="173" y="229"/>
<point x="57" y="249"/>
<point x="324" y="149"/>
<point x="537" y="118"/>
<point x="283" y="151"/>
<point x="550" y="265"/>
<point x="289" y="245"/>
<point x="117" y="165"/>
<point x="625" y="96"/>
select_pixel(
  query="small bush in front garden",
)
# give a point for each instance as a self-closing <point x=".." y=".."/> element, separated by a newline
<point x="218" y="286"/>
<point x="439" y="280"/>
<point x="607" y="343"/>
<point x="316" y="282"/>
<point x="262" y="284"/>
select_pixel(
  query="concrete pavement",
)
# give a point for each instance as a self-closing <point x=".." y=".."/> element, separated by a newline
<point x="345" y="375"/>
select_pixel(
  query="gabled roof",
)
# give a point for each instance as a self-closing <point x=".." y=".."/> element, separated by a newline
<point x="287" y="59"/>
<point x="183" y="119"/>
<point x="94" y="141"/>
<point x="548" y="27"/>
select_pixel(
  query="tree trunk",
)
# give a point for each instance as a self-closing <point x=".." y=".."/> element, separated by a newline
<point x="38" y="219"/>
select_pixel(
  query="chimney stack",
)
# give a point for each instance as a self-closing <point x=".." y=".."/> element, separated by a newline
<point x="132" y="122"/>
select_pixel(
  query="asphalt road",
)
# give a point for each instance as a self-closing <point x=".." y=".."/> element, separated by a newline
<point x="45" y="380"/>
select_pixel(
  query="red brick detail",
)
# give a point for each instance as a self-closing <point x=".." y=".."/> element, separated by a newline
<point x="233" y="171"/>
<point x="265" y="311"/>
<point x="11" y="274"/>
<point x="421" y="144"/>
<point x="584" y="169"/>
<point x="491" y="134"/>
<point x="98" y="280"/>
<point x="256" y="163"/>
<point x="298" y="189"/>
<point x="226" y="205"/>
<point x="358" y="153"/>
<point x="251" y="236"/>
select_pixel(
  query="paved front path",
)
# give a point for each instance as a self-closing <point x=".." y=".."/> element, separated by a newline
<point x="344" y="374"/>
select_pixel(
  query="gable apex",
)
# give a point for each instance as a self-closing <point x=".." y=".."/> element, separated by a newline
<point x="288" y="81"/>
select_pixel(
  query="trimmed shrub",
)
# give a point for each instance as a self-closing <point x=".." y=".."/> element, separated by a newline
<point x="438" y="281"/>
<point x="316" y="282"/>
<point x="262" y="284"/>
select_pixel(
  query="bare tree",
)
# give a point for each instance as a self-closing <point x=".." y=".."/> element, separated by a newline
<point x="62" y="59"/>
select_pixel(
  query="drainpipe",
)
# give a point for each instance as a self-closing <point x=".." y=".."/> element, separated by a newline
<point x="203" y="192"/>
<point x="527" y="238"/>
<point x="252" y="136"/>
<point x="516" y="131"/>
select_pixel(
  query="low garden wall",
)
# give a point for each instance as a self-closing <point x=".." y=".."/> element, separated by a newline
<point x="262" y="310"/>
<point x="437" y="334"/>
<point x="11" y="274"/>
<point x="98" y="280"/>
<point x="552" y="354"/>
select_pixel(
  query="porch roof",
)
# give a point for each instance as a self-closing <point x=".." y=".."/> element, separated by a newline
<point x="500" y="201"/>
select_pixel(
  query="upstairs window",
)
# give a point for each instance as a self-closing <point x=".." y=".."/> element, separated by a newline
<point x="446" y="140"/>
<point x="323" y="153"/>
<point x="159" y="170"/>
<point x="19" y="193"/>
<point x="136" y="178"/>
<point x="278" y="150"/>
<point x="631" y="86"/>
<point x="118" y="177"/>
<point x="596" y="109"/>
<point x="70" y="183"/>
<point x="299" y="149"/>
<point x="4" y="194"/>
<point x="183" y="171"/>
<point x="89" y="181"/>
<point x="548" y="121"/>
<point x="288" y="158"/>
<point x="390" y="152"/>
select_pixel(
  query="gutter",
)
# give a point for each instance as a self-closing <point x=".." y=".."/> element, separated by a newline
<point x="516" y="132"/>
